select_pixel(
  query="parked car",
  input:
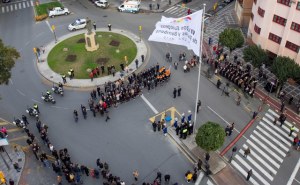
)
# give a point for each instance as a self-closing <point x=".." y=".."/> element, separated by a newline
<point x="58" y="11"/>
<point x="102" y="3"/>
<point x="78" y="24"/>
<point x="130" y="6"/>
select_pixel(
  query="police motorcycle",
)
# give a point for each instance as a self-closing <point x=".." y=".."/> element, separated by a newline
<point x="58" y="90"/>
<point x="48" y="97"/>
<point x="32" y="112"/>
<point x="19" y="123"/>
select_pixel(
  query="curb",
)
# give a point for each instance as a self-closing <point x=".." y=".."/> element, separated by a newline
<point x="48" y="74"/>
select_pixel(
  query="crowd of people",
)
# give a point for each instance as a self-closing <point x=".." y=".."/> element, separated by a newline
<point x="120" y="91"/>
<point x="239" y="75"/>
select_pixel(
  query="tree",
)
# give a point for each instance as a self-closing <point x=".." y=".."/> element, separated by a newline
<point x="8" y="56"/>
<point x="231" y="38"/>
<point x="210" y="136"/>
<point x="256" y="55"/>
<point x="284" y="68"/>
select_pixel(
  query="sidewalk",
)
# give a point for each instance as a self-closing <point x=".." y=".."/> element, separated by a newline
<point x="54" y="77"/>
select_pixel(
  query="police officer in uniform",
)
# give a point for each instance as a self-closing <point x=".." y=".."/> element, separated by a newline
<point x="64" y="78"/>
<point x="36" y="107"/>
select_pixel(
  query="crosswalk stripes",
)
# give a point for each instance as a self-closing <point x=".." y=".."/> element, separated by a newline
<point x="16" y="135"/>
<point x="178" y="10"/>
<point x="269" y="145"/>
<point x="16" y="6"/>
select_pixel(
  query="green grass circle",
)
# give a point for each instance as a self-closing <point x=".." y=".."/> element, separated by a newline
<point x="84" y="59"/>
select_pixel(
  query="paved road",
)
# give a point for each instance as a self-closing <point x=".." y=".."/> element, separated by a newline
<point x="122" y="141"/>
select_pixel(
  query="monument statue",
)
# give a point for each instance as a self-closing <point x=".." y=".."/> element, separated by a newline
<point x="89" y="26"/>
<point x="90" y="37"/>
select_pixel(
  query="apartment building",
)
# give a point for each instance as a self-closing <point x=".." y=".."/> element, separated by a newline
<point x="275" y="26"/>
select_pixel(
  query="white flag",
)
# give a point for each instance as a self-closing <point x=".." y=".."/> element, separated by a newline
<point x="184" y="31"/>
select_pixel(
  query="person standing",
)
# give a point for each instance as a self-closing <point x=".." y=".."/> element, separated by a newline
<point x="157" y="6"/>
<point x="91" y="76"/>
<point x="154" y="125"/>
<point x="135" y="175"/>
<point x="175" y="65"/>
<point x="11" y="182"/>
<point x="182" y="118"/>
<point x="143" y="58"/>
<point x="167" y="178"/>
<point x="198" y="106"/>
<point x="249" y="174"/>
<point x="174" y="93"/>
<point x="282" y="107"/>
<point x="107" y="116"/>
<point x="179" y="91"/>
<point x="158" y="176"/>
<point x="109" y="27"/>
<point x="136" y="63"/>
<point x="189" y="118"/>
<point x="64" y="78"/>
<point x="292" y="129"/>
<point x="94" y="25"/>
<point x="246" y="152"/>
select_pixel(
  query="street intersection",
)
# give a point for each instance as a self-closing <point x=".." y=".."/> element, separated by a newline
<point x="121" y="142"/>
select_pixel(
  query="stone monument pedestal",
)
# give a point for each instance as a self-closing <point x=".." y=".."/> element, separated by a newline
<point x="90" y="42"/>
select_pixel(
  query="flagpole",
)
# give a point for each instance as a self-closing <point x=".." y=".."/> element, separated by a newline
<point x="199" y="72"/>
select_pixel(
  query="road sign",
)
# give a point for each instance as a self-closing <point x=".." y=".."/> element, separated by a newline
<point x="140" y="28"/>
<point x="53" y="27"/>
<point x="166" y="114"/>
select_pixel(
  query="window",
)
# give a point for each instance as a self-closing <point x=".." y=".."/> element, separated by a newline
<point x="279" y="20"/>
<point x="252" y="16"/>
<point x="295" y="27"/>
<point x="292" y="46"/>
<point x="257" y="29"/>
<point x="261" y="12"/>
<point x="274" y="38"/>
<point x="285" y="2"/>
<point x="298" y="6"/>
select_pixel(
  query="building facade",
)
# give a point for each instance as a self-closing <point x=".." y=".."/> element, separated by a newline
<point x="275" y="26"/>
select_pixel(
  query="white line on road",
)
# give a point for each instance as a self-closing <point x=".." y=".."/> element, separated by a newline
<point x="60" y="107"/>
<point x="16" y="6"/>
<point x="294" y="173"/>
<point x="21" y="92"/>
<point x="7" y="8"/>
<point x="27" y="4"/>
<point x="47" y="22"/>
<point x="224" y="120"/>
<point x="11" y="8"/>
<point x="201" y="175"/>
<point x="31" y="3"/>
<point x="24" y="5"/>
<point x="36" y="101"/>
<point x="149" y="104"/>
<point x="3" y="10"/>
<point x="20" y="6"/>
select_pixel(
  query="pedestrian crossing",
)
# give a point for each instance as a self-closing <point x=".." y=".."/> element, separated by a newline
<point x="178" y="10"/>
<point x="269" y="144"/>
<point x="16" y="135"/>
<point x="11" y="7"/>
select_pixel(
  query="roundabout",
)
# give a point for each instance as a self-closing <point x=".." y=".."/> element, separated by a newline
<point x="116" y="46"/>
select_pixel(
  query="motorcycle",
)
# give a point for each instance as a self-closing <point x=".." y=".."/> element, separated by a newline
<point x="32" y="112"/>
<point x="19" y="123"/>
<point x="58" y="90"/>
<point x="48" y="98"/>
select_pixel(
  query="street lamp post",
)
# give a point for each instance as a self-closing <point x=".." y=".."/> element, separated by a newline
<point x="199" y="72"/>
<point x="36" y="54"/>
<point x="53" y="30"/>
<point x="140" y="32"/>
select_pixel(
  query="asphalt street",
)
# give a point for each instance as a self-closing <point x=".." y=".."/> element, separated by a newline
<point x="127" y="141"/>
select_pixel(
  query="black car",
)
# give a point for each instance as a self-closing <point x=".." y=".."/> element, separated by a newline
<point x="5" y="1"/>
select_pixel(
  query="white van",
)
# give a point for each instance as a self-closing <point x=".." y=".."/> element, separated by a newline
<point x="130" y="6"/>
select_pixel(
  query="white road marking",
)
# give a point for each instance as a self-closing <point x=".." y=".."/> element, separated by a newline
<point x="263" y="154"/>
<point x="254" y="172"/>
<point x="7" y="8"/>
<point x="27" y="4"/>
<point x="11" y="8"/>
<point x="149" y="104"/>
<point x="254" y="154"/>
<point x="294" y="173"/>
<point x="274" y="133"/>
<point x="266" y="148"/>
<point x="24" y="5"/>
<point x="36" y="101"/>
<point x="62" y="107"/>
<point x="169" y="9"/>
<point x="276" y="128"/>
<point x="224" y="120"/>
<point x="31" y="3"/>
<point x="21" y="92"/>
<point x="16" y="7"/>
<point x="272" y="138"/>
<point x="209" y="183"/>
<point x="199" y="179"/>
<point x="242" y="171"/>
<point x="49" y="26"/>
<point x="3" y="9"/>
<point x="20" y="5"/>
<point x="285" y="122"/>
<point x="257" y="166"/>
